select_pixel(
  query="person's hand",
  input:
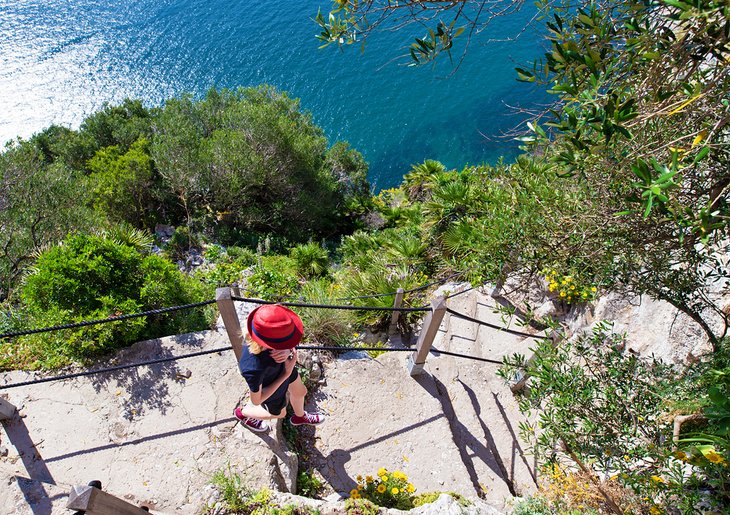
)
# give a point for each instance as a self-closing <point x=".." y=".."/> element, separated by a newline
<point x="280" y="356"/>
<point x="290" y="361"/>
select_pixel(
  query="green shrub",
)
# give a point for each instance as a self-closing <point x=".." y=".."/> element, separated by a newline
<point x="274" y="278"/>
<point x="182" y="240"/>
<point x="360" y="507"/>
<point x="311" y="259"/>
<point x="429" y="497"/>
<point x="228" y="265"/>
<point x="325" y="326"/>
<point x="90" y="277"/>
<point x="308" y="484"/>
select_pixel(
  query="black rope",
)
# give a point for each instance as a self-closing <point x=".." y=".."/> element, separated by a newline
<point x="364" y="349"/>
<point x="105" y="320"/>
<point x="327" y="306"/>
<point x="434" y="350"/>
<point x="112" y="369"/>
<point x="223" y="349"/>
<point x="459" y="293"/>
<point x="503" y="329"/>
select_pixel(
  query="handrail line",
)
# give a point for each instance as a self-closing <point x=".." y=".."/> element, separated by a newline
<point x="218" y="350"/>
<point x="328" y="306"/>
<point x="105" y="320"/>
<point x="503" y="329"/>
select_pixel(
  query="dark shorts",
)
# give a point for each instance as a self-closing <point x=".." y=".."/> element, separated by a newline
<point x="277" y="401"/>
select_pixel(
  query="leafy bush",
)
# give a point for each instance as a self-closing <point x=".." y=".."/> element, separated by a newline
<point x="325" y="326"/>
<point x="311" y="259"/>
<point x="253" y="154"/>
<point x="308" y="484"/>
<point x="387" y="489"/>
<point x="123" y="184"/>
<point x="228" y="265"/>
<point x="604" y="407"/>
<point x="94" y="277"/>
<point x="274" y="278"/>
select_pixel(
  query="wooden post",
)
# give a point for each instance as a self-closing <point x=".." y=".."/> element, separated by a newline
<point x="396" y="314"/>
<point x="520" y="380"/>
<point x="430" y="328"/>
<point x="230" y="319"/>
<point x="92" y="501"/>
<point x="7" y="410"/>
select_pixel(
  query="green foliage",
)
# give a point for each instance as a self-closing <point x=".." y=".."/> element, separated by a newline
<point x="123" y="184"/>
<point x="311" y="259"/>
<point x="116" y="125"/>
<point x="430" y="497"/>
<point x="308" y="484"/>
<point x="360" y="507"/>
<point x="233" y="492"/>
<point x="274" y="278"/>
<point x="237" y="498"/>
<point x="182" y="240"/>
<point x="252" y="155"/>
<point x="39" y="204"/>
<point x="325" y="326"/>
<point x="602" y="405"/>
<point x="94" y="277"/>
<point x="228" y="265"/>
<point x="387" y="489"/>
<point x="650" y="146"/>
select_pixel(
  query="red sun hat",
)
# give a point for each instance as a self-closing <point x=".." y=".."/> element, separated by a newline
<point x="275" y="327"/>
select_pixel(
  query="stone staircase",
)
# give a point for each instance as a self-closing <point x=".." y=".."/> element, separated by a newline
<point x="453" y="428"/>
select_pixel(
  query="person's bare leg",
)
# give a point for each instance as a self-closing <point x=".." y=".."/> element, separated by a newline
<point x="259" y="412"/>
<point x="297" y="391"/>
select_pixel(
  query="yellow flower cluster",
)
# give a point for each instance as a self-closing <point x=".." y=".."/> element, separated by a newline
<point x="568" y="289"/>
<point x="576" y="490"/>
<point x="389" y="489"/>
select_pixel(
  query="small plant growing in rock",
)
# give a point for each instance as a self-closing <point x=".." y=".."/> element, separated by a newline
<point x="569" y="288"/>
<point x="387" y="489"/>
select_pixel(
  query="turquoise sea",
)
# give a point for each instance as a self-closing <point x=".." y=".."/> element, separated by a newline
<point x="62" y="59"/>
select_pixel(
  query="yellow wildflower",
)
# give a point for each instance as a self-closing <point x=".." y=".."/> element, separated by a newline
<point x="353" y="492"/>
<point x="360" y="487"/>
<point x="359" y="477"/>
<point x="655" y="510"/>
<point x="383" y="478"/>
<point x="714" y="457"/>
<point x="382" y="471"/>
<point x="594" y="289"/>
<point x="394" y="491"/>
<point x="658" y="479"/>
<point x="562" y="294"/>
<point x="681" y="455"/>
<point x="381" y="488"/>
<point x="369" y="479"/>
<point x="410" y="488"/>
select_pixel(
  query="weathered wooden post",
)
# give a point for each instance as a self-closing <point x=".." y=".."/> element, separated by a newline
<point x="430" y="328"/>
<point x="91" y="500"/>
<point x="7" y="410"/>
<point x="396" y="314"/>
<point x="230" y="319"/>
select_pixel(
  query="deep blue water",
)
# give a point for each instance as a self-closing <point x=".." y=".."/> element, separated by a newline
<point x="61" y="59"/>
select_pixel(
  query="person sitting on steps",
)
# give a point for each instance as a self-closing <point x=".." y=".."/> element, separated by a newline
<point x="268" y="364"/>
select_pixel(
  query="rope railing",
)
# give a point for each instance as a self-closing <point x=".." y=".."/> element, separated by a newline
<point x="330" y="306"/>
<point x="167" y="359"/>
<point x="118" y="318"/>
<point x="114" y="368"/>
<point x="493" y="326"/>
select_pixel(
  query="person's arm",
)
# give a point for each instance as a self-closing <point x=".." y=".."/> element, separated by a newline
<point x="265" y="392"/>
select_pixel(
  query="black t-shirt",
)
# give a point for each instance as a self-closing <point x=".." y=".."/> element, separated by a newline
<point x="261" y="370"/>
